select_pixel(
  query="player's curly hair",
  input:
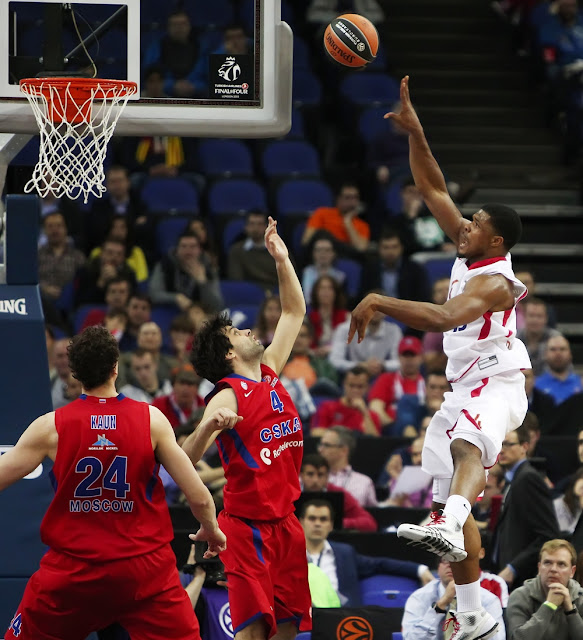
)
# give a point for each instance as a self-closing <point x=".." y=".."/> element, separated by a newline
<point x="93" y="355"/>
<point x="210" y="348"/>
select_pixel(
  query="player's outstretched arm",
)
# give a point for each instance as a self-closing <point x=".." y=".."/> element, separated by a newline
<point x="176" y="462"/>
<point x="293" y="305"/>
<point x="38" y="442"/>
<point x="482" y="294"/>
<point x="220" y="413"/>
<point x="426" y="172"/>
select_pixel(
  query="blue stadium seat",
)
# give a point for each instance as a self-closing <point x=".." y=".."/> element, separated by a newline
<point x="28" y="155"/>
<point x="236" y="196"/>
<point x="438" y="268"/>
<point x="380" y="62"/>
<point x="397" y="635"/>
<point x="307" y="90"/>
<point x="162" y="315"/>
<point x="233" y="229"/>
<point x="305" y="635"/>
<point x="170" y="195"/>
<point x="302" y="197"/>
<point x="66" y="300"/>
<point x="243" y="315"/>
<point x="297" y="235"/>
<point x="210" y="15"/>
<point x="367" y="89"/>
<point x="393" y="200"/>
<point x="239" y="292"/>
<point x="387" y="591"/>
<point x="353" y="271"/>
<point x="290" y="158"/>
<point x="167" y="232"/>
<point x="371" y="123"/>
<point x="297" y="130"/>
<point x="226" y="158"/>
<point x="154" y="12"/>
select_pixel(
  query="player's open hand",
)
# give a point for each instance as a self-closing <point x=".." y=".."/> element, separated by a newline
<point x="275" y="245"/>
<point x="361" y="316"/>
<point x="216" y="540"/>
<point x="406" y="118"/>
<point x="224" y="418"/>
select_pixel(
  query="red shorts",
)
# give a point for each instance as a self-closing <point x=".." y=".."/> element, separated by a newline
<point x="68" y="598"/>
<point x="267" y="572"/>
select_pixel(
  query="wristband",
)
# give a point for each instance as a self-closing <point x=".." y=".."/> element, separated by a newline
<point x="189" y="568"/>
<point x="571" y="612"/>
<point x="550" y="605"/>
<point x="438" y="609"/>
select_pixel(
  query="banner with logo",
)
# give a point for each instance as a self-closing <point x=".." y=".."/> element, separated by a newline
<point x="24" y="381"/>
<point x="217" y="623"/>
<point x="356" y="623"/>
<point x="231" y="77"/>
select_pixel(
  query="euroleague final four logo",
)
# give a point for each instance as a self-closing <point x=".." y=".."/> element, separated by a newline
<point x="231" y="76"/>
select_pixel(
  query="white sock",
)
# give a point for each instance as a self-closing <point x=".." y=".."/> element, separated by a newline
<point x="459" y="507"/>
<point x="468" y="596"/>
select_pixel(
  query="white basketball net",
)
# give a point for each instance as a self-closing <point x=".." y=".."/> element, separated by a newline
<point x="75" y="127"/>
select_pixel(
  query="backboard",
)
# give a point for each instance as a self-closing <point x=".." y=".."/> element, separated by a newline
<point x="209" y="69"/>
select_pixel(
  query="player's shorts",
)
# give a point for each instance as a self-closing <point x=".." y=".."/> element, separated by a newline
<point x="68" y="598"/>
<point x="267" y="572"/>
<point x="481" y="413"/>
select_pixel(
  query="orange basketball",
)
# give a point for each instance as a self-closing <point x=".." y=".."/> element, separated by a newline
<point x="351" y="40"/>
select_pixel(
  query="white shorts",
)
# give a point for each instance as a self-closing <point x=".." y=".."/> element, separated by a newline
<point x="481" y="413"/>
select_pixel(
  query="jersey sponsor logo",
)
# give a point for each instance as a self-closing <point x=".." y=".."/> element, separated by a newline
<point x="281" y="430"/>
<point x="490" y="361"/>
<point x="265" y="453"/>
<point x="225" y="620"/>
<point x="248" y="393"/>
<point x="103" y="443"/>
<point x="244" y="385"/>
<point x="4" y="448"/>
<point x="104" y="505"/>
<point x="104" y="422"/>
<point x="271" y="381"/>
<point x="17" y="306"/>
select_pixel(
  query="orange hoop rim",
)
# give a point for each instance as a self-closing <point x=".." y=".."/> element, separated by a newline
<point x="61" y="83"/>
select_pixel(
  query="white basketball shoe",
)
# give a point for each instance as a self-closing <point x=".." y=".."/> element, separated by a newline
<point x="470" y="625"/>
<point x="442" y="536"/>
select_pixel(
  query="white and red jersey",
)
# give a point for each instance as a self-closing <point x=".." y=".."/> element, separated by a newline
<point x="487" y="346"/>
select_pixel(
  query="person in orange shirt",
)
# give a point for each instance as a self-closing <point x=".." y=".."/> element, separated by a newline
<point x="342" y="221"/>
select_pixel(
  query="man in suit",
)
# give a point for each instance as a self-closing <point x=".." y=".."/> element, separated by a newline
<point x="340" y="562"/>
<point x="527" y="518"/>
<point x="394" y="273"/>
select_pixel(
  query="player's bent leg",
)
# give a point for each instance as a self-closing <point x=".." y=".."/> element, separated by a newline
<point x="256" y="630"/>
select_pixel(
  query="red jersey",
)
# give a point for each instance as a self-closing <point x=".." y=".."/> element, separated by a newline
<point x="391" y="387"/>
<point x="109" y="502"/>
<point x="262" y="455"/>
<point x="332" y="412"/>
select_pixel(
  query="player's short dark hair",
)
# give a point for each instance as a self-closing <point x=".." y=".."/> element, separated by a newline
<point x="505" y="221"/>
<point x="210" y="349"/>
<point x="315" y="502"/>
<point x="314" y="460"/>
<point x="93" y="355"/>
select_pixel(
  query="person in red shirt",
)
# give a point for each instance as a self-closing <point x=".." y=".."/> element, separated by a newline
<point x="389" y="388"/>
<point x="107" y="528"/>
<point x="351" y="410"/>
<point x="260" y="440"/>
<point x="314" y="477"/>
<point x="184" y="400"/>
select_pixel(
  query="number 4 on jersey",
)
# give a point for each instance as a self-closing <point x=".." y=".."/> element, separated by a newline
<point x="16" y="624"/>
<point x="276" y="403"/>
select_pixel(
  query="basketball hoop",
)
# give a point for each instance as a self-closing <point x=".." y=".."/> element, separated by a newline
<point x="76" y="118"/>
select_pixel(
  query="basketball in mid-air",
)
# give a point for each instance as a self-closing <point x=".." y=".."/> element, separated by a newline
<point x="351" y="40"/>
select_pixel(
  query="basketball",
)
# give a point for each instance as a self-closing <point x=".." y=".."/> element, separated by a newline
<point x="351" y="40"/>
